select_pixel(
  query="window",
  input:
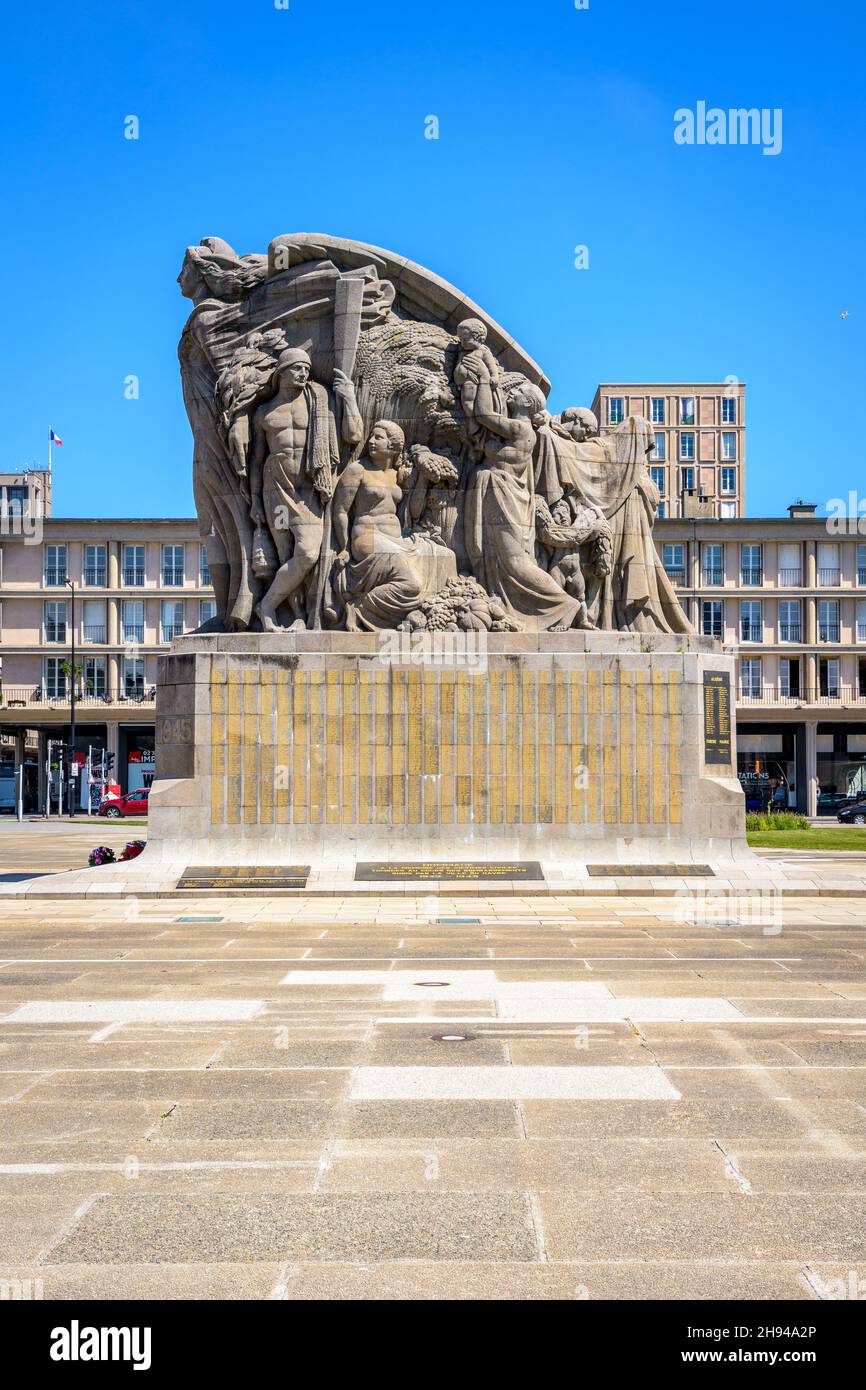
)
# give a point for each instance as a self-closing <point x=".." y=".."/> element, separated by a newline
<point x="133" y="566"/>
<point x="133" y="677"/>
<point x="133" y="620"/>
<point x="789" y="620"/>
<point x="55" y="621"/>
<point x="687" y="446"/>
<point x="861" y="564"/>
<point x="789" y="678"/>
<point x="661" y="510"/>
<point x="94" y="566"/>
<point x="94" y="682"/>
<point x="674" y="561"/>
<point x="687" y="479"/>
<point x="828" y="564"/>
<point x="17" y="501"/>
<point x="751" y="621"/>
<point x="729" y="444"/>
<point x="658" y="477"/>
<point x="729" y="481"/>
<point x="727" y="509"/>
<point x="172" y="620"/>
<point x="203" y="568"/>
<point x="172" y="566"/>
<point x="713" y="564"/>
<point x="206" y="610"/>
<point x="54" y="678"/>
<point x="687" y="410"/>
<point x="750" y="678"/>
<point x="615" y="410"/>
<point x="729" y="410"/>
<point x="790" y="568"/>
<point x="658" y="449"/>
<point x="94" y="620"/>
<point x="752" y="564"/>
<point x="657" y="410"/>
<point x="828" y="677"/>
<point x="55" y="564"/>
<point x="861" y="620"/>
<point x="712" y="623"/>
<point x="828" y="620"/>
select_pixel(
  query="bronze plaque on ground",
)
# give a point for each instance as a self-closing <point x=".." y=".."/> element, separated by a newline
<point x="717" y="717"/>
<point x="447" y="869"/>
<point x="245" y="876"/>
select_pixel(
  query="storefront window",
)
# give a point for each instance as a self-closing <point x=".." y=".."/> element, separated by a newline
<point x="841" y="760"/>
<point x="767" y="768"/>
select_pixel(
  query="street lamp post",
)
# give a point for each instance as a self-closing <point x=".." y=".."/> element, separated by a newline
<point x="73" y="781"/>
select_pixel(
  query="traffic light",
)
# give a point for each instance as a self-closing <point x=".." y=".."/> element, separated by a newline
<point x="108" y="762"/>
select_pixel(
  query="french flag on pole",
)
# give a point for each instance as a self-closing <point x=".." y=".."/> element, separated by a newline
<point x="55" y="438"/>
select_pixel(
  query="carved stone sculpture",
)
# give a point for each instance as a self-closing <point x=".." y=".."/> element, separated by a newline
<point x="372" y="451"/>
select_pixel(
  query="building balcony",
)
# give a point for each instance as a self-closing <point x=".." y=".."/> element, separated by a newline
<point x="751" y="632"/>
<point x="711" y="577"/>
<point x="171" y="630"/>
<point x="829" y="695"/>
<point x="133" y="578"/>
<point x="751" y="576"/>
<point x="55" y="696"/>
<point x="861" y="632"/>
<point x="829" y="579"/>
<point x="55" y="578"/>
<point x="861" y="576"/>
<point x="675" y="575"/>
<point x="790" y="578"/>
<point x="828" y="632"/>
<point x="133" y="632"/>
<point x="790" y="632"/>
<point x="93" y="632"/>
<point x="94" y="578"/>
<point x="172" y="579"/>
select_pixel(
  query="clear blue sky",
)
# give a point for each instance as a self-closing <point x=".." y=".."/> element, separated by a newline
<point x="556" y="129"/>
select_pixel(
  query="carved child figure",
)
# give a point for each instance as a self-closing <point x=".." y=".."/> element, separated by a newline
<point x="475" y="364"/>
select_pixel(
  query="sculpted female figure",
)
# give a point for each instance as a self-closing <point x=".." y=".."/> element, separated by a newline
<point x="499" y="513"/>
<point x="576" y="465"/>
<point x="380" y="570"/>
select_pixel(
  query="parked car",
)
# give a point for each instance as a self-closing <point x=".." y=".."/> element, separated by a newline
<point x="854" y="814"/>
<point x="134" y="804"/>
<point x="831" y="802"/>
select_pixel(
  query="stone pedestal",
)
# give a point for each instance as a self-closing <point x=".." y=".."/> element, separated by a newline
<point x="564" y="748"/>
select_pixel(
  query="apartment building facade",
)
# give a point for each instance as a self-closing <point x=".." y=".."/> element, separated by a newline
<point x="789" y="596"/>
<point x="123" y="589"/>
<point x="700" y="439"/>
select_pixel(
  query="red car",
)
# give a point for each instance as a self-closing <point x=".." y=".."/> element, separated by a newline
<point x="134" y="804"/>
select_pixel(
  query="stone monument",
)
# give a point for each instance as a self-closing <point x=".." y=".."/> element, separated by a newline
<point x="443" y="632"/>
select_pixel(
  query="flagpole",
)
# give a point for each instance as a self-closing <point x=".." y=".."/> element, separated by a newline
<point x="49" y="448"/>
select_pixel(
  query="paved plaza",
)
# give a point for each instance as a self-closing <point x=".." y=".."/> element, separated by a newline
<point x="423" y="1097"/>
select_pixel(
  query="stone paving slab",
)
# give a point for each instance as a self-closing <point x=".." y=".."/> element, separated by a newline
<point x="275" y="1226"/>
<point x="166" y="1152"/>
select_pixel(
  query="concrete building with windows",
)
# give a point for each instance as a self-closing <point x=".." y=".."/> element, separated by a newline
<point x="124" y="588"/>
<point x="789" y="593"/>
<point x="700" y="440"/>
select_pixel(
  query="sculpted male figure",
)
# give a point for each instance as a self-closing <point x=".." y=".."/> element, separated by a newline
<point x="293" y="468"/>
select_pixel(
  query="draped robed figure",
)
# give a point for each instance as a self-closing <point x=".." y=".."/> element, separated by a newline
<point x="611" y="473"/>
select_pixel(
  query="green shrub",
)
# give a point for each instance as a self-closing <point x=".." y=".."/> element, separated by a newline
<point x="778" y="820"/>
